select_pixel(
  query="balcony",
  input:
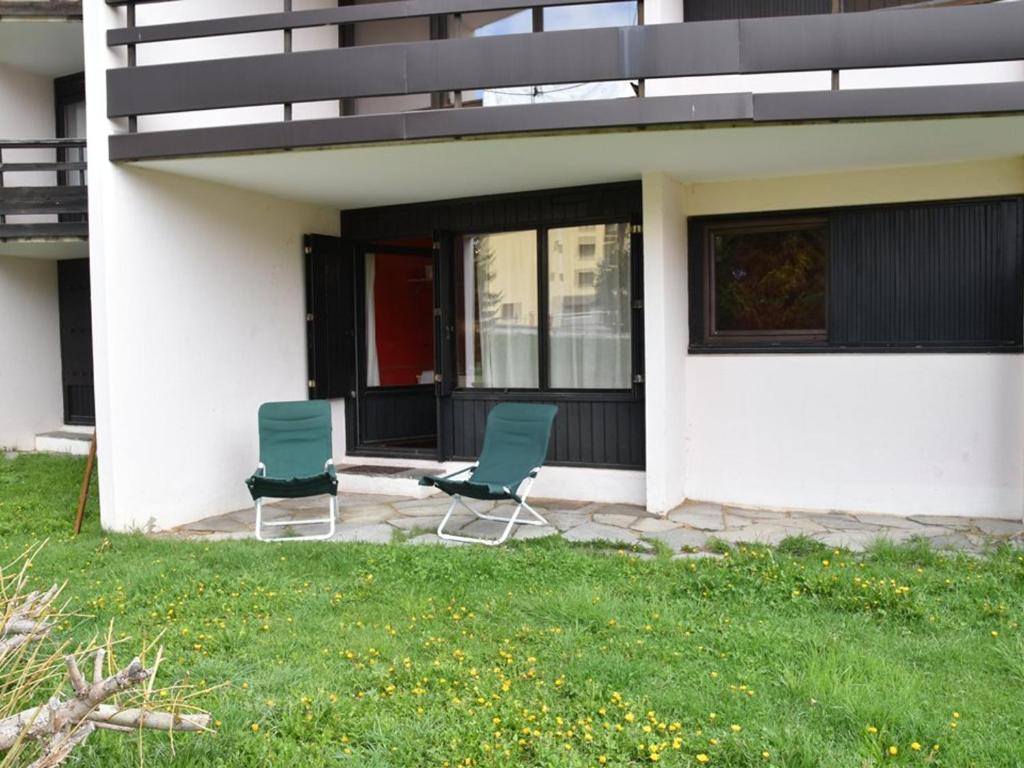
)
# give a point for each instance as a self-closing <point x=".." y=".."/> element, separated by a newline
<point x="421" y="84"/>
<point x="43" y="196"/>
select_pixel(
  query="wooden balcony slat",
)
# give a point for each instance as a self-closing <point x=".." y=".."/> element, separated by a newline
<point x="36" y="200"/>
<point x="31" y="167"/>
<point x="351" y="14"/>
<point x="29" y="9"/>
<point x="56" y="230"/>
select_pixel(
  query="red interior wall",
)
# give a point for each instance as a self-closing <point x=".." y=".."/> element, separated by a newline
<point x="403" y="309"/>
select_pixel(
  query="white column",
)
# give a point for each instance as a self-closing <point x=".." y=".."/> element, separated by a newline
<point x="666" y="336"/>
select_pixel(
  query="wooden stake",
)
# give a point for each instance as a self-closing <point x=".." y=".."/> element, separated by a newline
<point x="83" y="496"/>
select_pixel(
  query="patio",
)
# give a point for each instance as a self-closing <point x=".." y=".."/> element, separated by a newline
<point x="688" y="531"/>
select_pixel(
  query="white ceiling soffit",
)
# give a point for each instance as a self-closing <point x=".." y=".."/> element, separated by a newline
<point x="52" y="48"/>
<point x="354" y="177"/>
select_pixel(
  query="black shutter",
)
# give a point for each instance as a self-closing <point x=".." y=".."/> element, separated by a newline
<point x="330" y="316"/>
<point x="941" y="275"/>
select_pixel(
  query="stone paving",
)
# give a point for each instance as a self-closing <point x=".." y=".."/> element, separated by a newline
<point x="688" y="529"/>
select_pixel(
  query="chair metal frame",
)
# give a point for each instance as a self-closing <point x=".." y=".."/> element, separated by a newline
<point x="261" y="469"/>
<point x="511" y="521"/>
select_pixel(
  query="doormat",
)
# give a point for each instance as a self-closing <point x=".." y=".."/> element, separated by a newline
<point x="372" y="469"/>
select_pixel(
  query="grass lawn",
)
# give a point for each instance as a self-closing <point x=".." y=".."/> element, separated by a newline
<point x="544" y="654"/>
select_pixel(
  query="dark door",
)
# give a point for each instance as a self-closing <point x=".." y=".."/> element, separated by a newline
<point x="76" y="342"/>
<point x="371" y="341"/>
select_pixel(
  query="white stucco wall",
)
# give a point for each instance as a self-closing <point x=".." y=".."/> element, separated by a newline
<point x="30" y="396"/>
<point x="200" y="320"/>
<point x="897" y="433"/>
<point x="30" y="389"/>
<point x="26" y="112"/>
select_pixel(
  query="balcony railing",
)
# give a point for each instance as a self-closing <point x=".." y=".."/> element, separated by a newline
<point x="43" y="198"/>
<point x="636" y="54"/>
<point x="70" y="10"/>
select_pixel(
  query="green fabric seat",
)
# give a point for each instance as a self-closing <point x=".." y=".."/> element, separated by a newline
<point x="295" y="443"/>
<point x="515" y="446"/>
<point x="295" y="460"/>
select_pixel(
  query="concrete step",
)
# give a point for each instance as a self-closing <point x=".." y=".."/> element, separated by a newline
<point x="69" y="440"/>
<point x="387" y="480"/>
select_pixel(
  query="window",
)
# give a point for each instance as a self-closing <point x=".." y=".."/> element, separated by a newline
<point x="585" y="279"/>
<point x="767" y="281"/>
<point x="588" y="250"/>
<point x="945" y="276"/>
<point x="590" y="323"/>
<point x="585" y="334"/>
<point x="496" y="310"/>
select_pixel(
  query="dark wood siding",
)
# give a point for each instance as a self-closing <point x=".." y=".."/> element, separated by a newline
<point x="76" y="342"/>
<point x="394" y="413"/>
<point x="944" y="276"/>
<point x="711" y="10"/>
<point x="548" y="208"/>
<point x="589" y="431"/>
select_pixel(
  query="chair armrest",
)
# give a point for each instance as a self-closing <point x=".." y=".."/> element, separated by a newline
<point x="261" y="470"/>
<point x="460" y="472"/>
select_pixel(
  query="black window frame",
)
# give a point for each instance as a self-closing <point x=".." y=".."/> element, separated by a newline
<point x="1011" y="342"/>
<point x="714" y="336"/>
<point x="541" y="230"/>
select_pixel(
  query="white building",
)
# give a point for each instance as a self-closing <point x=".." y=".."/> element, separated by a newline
<point x="772" y="262"/>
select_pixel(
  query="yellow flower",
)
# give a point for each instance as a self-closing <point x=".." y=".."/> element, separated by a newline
<point x="702" y="758"/>
<point x="916" y="747"/>
<point x="736" y="728"/>
<point x="765" y="755"/>
<point x="255" y="727"/>
<point x="894" y="750"/>
<point x="602" y="759"/>
<point x="871" y="729"/>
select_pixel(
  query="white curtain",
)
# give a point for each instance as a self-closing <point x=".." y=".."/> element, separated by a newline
<point x="372" y="363"/>
<point x="589" y="308"/>
<point x="504" y="269"/>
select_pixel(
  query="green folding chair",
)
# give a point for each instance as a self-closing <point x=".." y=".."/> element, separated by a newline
<point x="515" y="444"/>
<point x="295" y="463"/>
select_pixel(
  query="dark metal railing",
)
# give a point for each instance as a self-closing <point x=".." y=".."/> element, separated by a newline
<point x="41" y="9"/>
<point x="444" y="68"/>
<point x="57" y="191"/>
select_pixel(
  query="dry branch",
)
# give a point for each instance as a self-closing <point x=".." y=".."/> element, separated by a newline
<point x="53" y="730"/>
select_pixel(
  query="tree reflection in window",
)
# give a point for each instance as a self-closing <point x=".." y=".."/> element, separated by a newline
<point x="770" y="280"/>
